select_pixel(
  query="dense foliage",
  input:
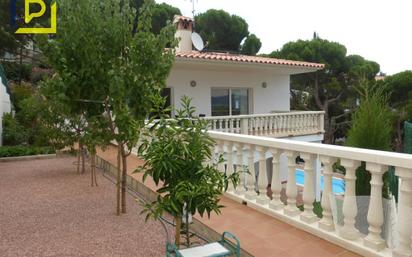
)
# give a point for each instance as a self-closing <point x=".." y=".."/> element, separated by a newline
<point x="330" y="89"/>
<point x="252" y="45"/>
<point x="108" y="72"/>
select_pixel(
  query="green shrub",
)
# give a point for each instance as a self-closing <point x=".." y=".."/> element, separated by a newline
<point x="13" y="151"/>
<point x="13" y="71"/>
<point x="13" y="132"/>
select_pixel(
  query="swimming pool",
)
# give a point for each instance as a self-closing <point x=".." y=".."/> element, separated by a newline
<point x="338" y="185"/>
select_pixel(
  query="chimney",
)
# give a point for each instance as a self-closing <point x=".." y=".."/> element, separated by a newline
<point x="184" y="29"/>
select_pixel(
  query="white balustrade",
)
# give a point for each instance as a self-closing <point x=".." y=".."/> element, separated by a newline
<point x="274" y="124"/>
<point x="253" y="150"/>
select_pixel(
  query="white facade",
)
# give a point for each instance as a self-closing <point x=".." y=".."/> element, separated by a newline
<point x="5" y="107"/>
<point x="268" y="84"/>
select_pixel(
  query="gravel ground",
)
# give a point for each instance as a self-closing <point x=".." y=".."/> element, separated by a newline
<point x="46" y="209"/>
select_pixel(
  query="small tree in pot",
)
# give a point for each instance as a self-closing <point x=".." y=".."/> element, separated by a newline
<point x="179" y="158"/>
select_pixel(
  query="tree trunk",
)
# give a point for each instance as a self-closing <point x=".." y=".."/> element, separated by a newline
<point x="79" y="152"/>
<point x="187" y="229"/>
<point x="83" y="159"/>
<point x="399" y="138"/>
<point x="124" y="179"/>
<point x="93" y="170"/>
<point x="178" y="221"/>
<point x="118" y="179"/>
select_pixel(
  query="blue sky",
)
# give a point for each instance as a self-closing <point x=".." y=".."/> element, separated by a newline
<point x="379" y="30"/>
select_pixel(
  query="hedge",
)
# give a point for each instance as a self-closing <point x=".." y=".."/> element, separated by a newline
<point x="13" y="151"/>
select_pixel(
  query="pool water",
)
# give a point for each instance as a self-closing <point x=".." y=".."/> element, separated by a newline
<point x="338" y="185"/>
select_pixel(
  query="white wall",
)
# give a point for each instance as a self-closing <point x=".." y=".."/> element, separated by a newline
<point x="5" y="107"/>
<point x="275" y="97"/>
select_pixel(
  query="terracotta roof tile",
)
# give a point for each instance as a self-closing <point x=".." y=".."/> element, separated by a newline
<point x="246" y="58"/>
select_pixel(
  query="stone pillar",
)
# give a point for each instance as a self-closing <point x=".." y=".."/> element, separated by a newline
<point x="309" y="189"/>
<point x="375" y="212"/>
<point x="404" y="249"/>
<point x="350" y="208"/>
<point x="275" y="203"/>
<point x="240" y="189"/>
<point x="326" y="223"/>
<point x="251" y="194"/>
<point x="229" y="162"/>
<point x="291" y="189"/>
<point x="262" y="177"/>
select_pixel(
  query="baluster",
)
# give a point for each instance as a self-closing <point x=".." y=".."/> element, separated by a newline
<point x="275" y="125"/>
<point x="309" y="189"/>
<point x="350" y="208"/>
<point x="262" y="177"/>
<point x="229" y="162"/>
<point x="220" y="125"/>
<point x="375" y="212"/>
<point x="291" y="189"/>
<point x="251" y="176"/>
<point x="265" y="125"/>
<point x="226" y="125"/>
<point x="259" y="126"/>
<point x="276" y="185"/>
<point x="281" y="120"/>
<point x="326" y="223"/>
<point x="240" y="189"/>
<point x="404" y="248"/>
<point x="219" y="148"/>
<point x="238" y="124"/>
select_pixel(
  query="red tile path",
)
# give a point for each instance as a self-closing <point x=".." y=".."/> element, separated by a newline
<point x="260" y="234"/>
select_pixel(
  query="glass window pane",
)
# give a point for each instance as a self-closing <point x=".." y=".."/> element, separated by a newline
<point x="220" y="101"/>
<point x="240" y="101"/>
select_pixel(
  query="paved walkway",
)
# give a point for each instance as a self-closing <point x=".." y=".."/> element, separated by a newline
<point x="46" y="209"/>
<point x="260" y="234"/>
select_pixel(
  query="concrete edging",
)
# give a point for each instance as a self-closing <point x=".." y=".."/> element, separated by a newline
<point x="28" y="157"/>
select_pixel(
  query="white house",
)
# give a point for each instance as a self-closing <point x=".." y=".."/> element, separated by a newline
<point x="225" y="85"/>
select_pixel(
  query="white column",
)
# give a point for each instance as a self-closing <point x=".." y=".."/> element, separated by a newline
<point x="276" y="203"/>
<point x="229" y="162"/>
<point x="291" y="189"/>
<point x="326" y="223"/>
<point x="309" y="189"/>
<point x="240" y="189"/>
<point x="404" y="249"/>
<point x="375" y="212"/>
<point x="262" y="177"/>
<point x="251" y="194"/>
<point x="350" y="208"/>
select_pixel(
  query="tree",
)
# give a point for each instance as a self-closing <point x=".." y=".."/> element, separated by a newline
<point x="371" y="129"/>
<point x="110" y="74"/>
<point x="400" y="86"/>
<point x="332" y="87"/>
<point x="221" y="30"/>
<point x="252" y="45"/>
<point x="162" y="14"/>
<point x="179" y="159"/>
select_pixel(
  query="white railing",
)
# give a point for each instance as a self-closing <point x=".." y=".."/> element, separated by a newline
<point x="273" y="124"/>
<point x="254" y="153"/>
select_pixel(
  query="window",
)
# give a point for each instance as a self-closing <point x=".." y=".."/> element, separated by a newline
<point x="230" y="101"/>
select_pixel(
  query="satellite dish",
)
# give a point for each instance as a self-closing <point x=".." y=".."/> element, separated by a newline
<point x="197" y="41"/>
